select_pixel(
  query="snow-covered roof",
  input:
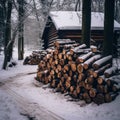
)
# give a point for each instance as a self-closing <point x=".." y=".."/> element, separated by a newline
<point x="69" y="20"/>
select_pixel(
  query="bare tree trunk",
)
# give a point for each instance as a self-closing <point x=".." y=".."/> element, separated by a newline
<point x="7" y="35"/>
<point x="1" y="23"/>
<point x="86" y="22"/>
<point x="108" y="27"/>
<point x="78" y="5"/>
<point x="21" y="30"/>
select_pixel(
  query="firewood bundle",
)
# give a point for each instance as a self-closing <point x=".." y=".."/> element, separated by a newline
<point x="80" y="72"/>
<point x="35" y="57"/>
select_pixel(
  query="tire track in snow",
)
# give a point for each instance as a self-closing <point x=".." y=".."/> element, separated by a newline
<point x="29" y="108"/>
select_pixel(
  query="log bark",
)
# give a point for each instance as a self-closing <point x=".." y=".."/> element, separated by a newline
<point x="82" y="59"/>
<point x="74" y="50"/>
<point x="111" y="71"/>
<point x="87" y="63"/>
<point x="61" y="42"/>
<point x="110" y="96"/>
<point x="100" y="71"/>
<point x="96" y="65"/>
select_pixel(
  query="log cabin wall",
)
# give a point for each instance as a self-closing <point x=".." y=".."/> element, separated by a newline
<point x="70" y="34"/>
<point x="96" y="35"/>
<point x="52" y="35"/>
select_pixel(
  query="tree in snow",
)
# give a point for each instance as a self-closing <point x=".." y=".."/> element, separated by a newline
<point x="20" y="29"/>
<point x="108" y="27"/>
<point x="86" y="22"/>
<point x="7" y="38"/>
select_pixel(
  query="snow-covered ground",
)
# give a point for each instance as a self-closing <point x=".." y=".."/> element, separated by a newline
<point x="16" y="84"/>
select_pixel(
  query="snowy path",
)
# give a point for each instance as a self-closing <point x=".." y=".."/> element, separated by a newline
<point x="29" y="107"/>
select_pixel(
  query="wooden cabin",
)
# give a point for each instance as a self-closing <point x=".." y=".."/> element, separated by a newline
<point x="68" y="25"/>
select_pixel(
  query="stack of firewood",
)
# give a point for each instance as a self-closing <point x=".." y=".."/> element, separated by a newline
<point x="35" y="57"/>
<point x="80" y="72"/>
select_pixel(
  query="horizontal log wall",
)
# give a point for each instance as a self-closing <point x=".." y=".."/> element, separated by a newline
<point x="96" y="35"/>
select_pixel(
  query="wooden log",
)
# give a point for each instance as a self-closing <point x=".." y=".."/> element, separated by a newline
<point x="81" y="84"/>
<point x="40" y="74"/>
<point x="74" y="78"/>
<point x="116" y="88"/>
<point x="87" y="63"/>
<point x="61" y="62"/>
<point x="67" y="84"/>
<point x="66" y="67"/>
<point x="111" y="71"/>
<point x="81" y="77"/>
<point x="106" y="90"/>
<point x="100" y="79"/>
<point x="73" y="66"/>
<point x="110" y="96"/>
<point x="62" y="79"/>
<point x="55" y="52"/>
<point x="110" y="83"/>
<point x="59" y="75"/>
<point x="65" y="76"/>
<point x="99" y="99"/>
<point x="26" y="60"/>
<point x="92" y="92"/>
<point x="72" y="89"/>
<point x="82" y="59"/>
<point x="64" y="51"/>
<point x="78" y="90"/>
<point x="96" y="65"/>
<point x="87" y="86"/>
<point x="42" y="65"/>
<point x="90" y="80"/>
<point x="93" y="48"/>
<point x="102" y="89"/>
<point x="79" y="68"/>
<point x="74" y="94"/>
<point x="70" y="73"/>
<point x="69" y="56"/>
<point x="60" y="56"/>
<point x="86" y="97"/>
<point x="80" y="52"/>
<point x="72" y="51"/>
<point x="100" y="71"/>
<point x="52" y="72"/>
<point x="59" y="67"/>
<point x="63" y="42"/>
<point x="70" y="46"/>
<point x="54" y="83"/>
<point x="89" y="72"/>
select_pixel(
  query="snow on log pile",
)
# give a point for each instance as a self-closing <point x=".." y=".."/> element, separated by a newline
<point x="35" y="58"/>
<point x="79" y="72"/>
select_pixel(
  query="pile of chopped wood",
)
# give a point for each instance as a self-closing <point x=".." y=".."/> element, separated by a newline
<point x="80" y="72"/>
<point x="35" y="58"/>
